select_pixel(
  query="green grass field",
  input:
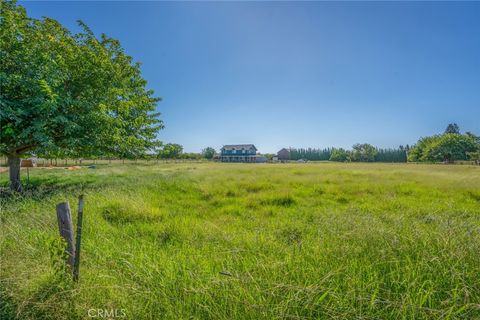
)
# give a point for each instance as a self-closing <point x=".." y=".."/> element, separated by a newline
<point x="239" y="241"/>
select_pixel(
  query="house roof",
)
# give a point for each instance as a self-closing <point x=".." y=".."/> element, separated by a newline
<point x="238" y="146"/>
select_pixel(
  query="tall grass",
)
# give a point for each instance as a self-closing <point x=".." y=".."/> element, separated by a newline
<point x="234" y="241"/>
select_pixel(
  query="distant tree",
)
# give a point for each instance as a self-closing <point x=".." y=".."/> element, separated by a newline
<point x="450" y="147"/>
<point x="208" y="153"/>
<point x="311" y="154"/>
<point x="474" y="156"/>
<point x="171" y="151"/>
<point x="447" y="147"/>
<point x="473" y="136"/>
<point x="452" y="128"/>
<point x="364" y="152"/>
<point x="190" y="156"/>
<point x="269" y="156"/>
<point x="415" y="154"/>
<point x="70" y="94"/>
<point x="391" y="154"/>
<point x="340" y="155"/>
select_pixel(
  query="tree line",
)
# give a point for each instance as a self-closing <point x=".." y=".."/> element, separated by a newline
<point x="360" y="152"/>
<point x="447" y="147"/>
<point x="175" y="151"/>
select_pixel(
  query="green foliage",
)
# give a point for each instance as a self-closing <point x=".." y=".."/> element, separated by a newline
<point x="304" y="241"/>
<point x="268" y="156"/>
<point x="208" y="153"/>
<point x="363" y="152"/>
<point x="170" y="151"/>
<point x="340" y="155"/>
<point x="447" y="147"/>
<point x="191" y="156"/>
<point x="452" y="128"/>
<point x="392" y="155"/>
<point x="360" y="153"/>
<point x="311" y="154"/>
<point x="416" y="152"/>
<point x="57" y="249"/>
<point x="475" y="156"/>
<point x="70" y="94"/>
<point x="473" y="137"/>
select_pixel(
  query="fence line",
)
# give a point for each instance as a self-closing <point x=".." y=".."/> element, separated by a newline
<point x="87" y="162"/>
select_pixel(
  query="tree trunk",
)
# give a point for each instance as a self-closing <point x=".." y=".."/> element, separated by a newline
<point x="14" y="162"/>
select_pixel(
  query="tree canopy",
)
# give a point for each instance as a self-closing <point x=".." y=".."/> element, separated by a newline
<point x="340" y="155"/>
<point x="208" y="152"/>
<point x="364" y="152"/>
<point x="69" y="94"/>
<point x="452" y="128"/>
<point x="170" y="151"/>
<point x="447" y="147"/>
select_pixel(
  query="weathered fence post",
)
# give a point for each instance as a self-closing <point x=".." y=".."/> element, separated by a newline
<point x="65" y="227"/>
<point x="78" y="240"/>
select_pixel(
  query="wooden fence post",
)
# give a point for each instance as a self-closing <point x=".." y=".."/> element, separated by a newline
<point x="65" y="227"/>
<point x="78" y="240"/>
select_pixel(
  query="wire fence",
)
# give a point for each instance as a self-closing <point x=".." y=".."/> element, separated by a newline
<point x="87" y="162"/>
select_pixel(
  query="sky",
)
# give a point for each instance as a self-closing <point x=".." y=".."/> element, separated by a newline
<point x="297" y="74"/>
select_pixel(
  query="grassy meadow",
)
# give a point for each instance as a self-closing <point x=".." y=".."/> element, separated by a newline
<point x="248" y="241"/>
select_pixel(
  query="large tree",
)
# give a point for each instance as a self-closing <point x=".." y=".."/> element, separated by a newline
<point x="71" y="94"/>
<point x="363" y="152"/>
<point x="171" y="151"/>
<point x="450" y="147"/>
<point x="208" y="153"/>
<point x="340" y="155"/>
<point x="446" y="147"/>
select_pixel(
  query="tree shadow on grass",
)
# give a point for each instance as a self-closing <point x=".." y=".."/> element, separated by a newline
<point x="45" y="188"/>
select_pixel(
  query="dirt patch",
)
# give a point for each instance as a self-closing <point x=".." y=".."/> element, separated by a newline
<point x="73" y="168"/>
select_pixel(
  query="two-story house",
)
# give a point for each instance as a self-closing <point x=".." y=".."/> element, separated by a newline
<point x="238" y="153"/>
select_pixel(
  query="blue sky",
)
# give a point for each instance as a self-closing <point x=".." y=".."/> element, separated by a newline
<point x="299" y="74"/>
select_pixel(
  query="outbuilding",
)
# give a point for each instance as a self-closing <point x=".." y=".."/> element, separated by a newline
<point x="283" y="155"/>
